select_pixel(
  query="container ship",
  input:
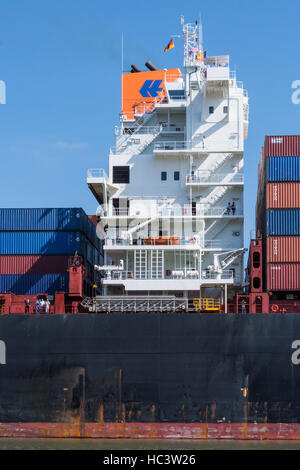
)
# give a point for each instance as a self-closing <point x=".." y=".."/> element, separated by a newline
<point x="140" y="322"/>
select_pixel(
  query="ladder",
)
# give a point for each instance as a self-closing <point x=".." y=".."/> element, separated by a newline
<point x="157" y="264"/>
<point x="140" y="264"/>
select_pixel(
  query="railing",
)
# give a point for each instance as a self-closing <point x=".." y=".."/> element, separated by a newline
<point x="133" y="141"/>
<point x="190" y="241"/>
<point x="144" y="108"/>
<point x="120" y="211"/>
<point x="178" y="211"/>
<point x="166" y="129"/>
<point x="178" y="274"/>
<point x="174" y="145"/>
<point x="219" y="211"/>
<point x="129" y="303"/>
<point x="147" y="241"/>
<point x="129" y="131"/>
<point x="96" y="173"/>
<point x="207" y="177"/>
<point x="197" y="144"/>
<point x="172" y="77"/>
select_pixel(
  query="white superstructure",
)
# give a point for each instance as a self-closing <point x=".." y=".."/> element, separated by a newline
<point x="176" y="164"/>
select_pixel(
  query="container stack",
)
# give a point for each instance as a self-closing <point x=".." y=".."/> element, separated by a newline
<point x="36" y="246"/>
<point x="278" y="212"/>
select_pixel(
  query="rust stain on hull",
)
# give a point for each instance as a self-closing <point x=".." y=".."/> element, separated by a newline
<point x="261" y="431"/>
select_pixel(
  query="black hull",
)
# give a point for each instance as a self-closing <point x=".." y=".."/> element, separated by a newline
<point x="191" y="368"/>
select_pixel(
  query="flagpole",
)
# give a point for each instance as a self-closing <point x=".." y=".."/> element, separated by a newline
<point x="122" y="70"/>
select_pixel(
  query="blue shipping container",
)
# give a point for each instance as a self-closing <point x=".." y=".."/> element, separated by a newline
<point x="32" y="284"/>
<point x="71" y="219"/>
<point x="48" y="243"/>
<point x="283" y="222"/>
<point x="283" y="169"/>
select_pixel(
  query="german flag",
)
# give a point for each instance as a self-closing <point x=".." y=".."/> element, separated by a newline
<point x="170" y="45"/>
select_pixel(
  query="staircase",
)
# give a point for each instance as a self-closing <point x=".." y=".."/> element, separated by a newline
<point x="217" y="225"/>
<point x="217" y="194"/>
<point x="149" y="140"/>
<point x="125" y="145"/>
<point x="219" y="163"/>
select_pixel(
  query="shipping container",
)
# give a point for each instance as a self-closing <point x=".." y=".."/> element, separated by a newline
<point x="32" y="284"/>
<point x="283" y="222"/>
<point x="33" y="264"/>
<point x="70" y="219"/>
<point x="48" y="243"/>
<point x="284" y="145"/>
<point x="283" y="249"/>
<point x="283" y="195"/>
<point x="283" y="169"/>
<point x="283" y="276"/>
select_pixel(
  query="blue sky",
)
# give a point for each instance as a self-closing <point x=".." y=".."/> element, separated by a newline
<point x="61" y="61"/>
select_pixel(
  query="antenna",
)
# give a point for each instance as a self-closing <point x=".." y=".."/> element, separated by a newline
<point x="122" y="70"/>
<point x="191" y="43"/>
<point x="200" y="35"/>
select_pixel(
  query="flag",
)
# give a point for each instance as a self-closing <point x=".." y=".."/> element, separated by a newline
<point x="201" y="56"/>
<point x="170" y="45"/>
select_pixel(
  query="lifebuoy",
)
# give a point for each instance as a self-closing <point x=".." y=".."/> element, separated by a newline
<point x="274" y="308"/>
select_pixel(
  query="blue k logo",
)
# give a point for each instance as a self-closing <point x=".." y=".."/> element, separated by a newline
<point x="150" y="88"/>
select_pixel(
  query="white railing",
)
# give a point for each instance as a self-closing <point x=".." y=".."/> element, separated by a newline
<point x="218" y="211"/>
<point x="134" y="142"/>
<point x="197" y="144"/>
<point x="178" y="274"/>
<point x="196" y="211"/>
<point x="128" y="132"/>
<point x="207" y="177"/>
<point x="96" y="173"/>
<point x="218" y="276"/>
<point x="153" y="241"/>
<point x="178" y="211"/>
<point x="175" y="129"/>
<point x="190" y="241"/>
<point x="173" y="145"/>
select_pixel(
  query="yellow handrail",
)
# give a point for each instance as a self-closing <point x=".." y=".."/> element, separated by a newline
<point x="205" y="304"/>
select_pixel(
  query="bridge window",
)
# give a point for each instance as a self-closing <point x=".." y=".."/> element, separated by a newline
<point x="121" y="174"/>
<point x="164" y="176"/>
<point x="225" y="109"/>
<point x="176" y="94"/>
<point x="211" y="109"/>
<point x="176" y="175"/>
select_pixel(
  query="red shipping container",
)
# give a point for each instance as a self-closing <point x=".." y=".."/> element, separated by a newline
<point x="283" y="276"/>
<point x="94" y="219"/>
<point x="283" y="249"/>
<point x="282" y="145"/>
<point x="283" y="195"/>
<point x="33" y="264"/>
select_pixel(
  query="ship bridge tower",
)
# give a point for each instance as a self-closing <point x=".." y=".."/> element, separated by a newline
<point x="172" y="201"/>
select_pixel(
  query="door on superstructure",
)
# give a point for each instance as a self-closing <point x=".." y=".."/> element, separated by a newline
<point x="120" y="206"/>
